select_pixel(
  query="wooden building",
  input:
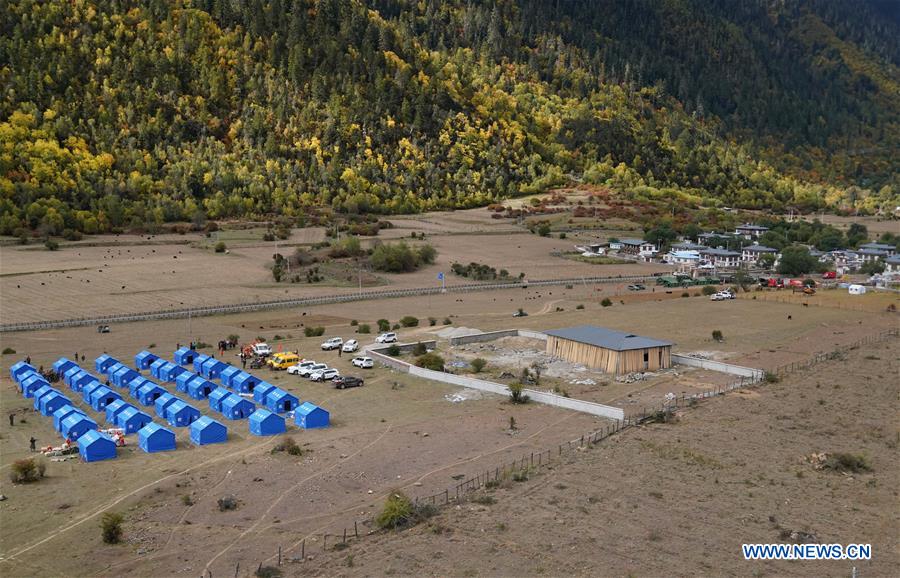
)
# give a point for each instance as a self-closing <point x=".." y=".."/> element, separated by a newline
<point x="608" y="350"/>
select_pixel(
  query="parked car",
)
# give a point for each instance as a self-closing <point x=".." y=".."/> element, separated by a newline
<point x="636" y="287"/>
<point x="829" y="275"/>
<point x="103" y="329"/>
<point x="386" y="338"/>
<point x="282" y="360"/>
<point x="345" y="381"/>
<point x="262" y="349"/>
<point x="332" y="343"/>
<point x="309" y="370"/>
<point x="326" y="374"/>
<point x="363" y="362"/>
<point x="295" y="369"/>
<point x="520" y="313"/>
<point x="350" y="346"/>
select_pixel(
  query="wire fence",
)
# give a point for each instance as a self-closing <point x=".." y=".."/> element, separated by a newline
<point x="309" y="301"/>
<point x="520" y="468"/>
<point x="799" y="298"/>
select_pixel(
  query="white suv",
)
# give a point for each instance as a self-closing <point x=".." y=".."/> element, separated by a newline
<point x="262" y="349"/>
<point x="350" y="346"/>
<point x="324" y="374"/>
<point x="363" y="362"/>
<point x="295" y="369"/>
<point x="332" y="343"/>
<point x="307" y="371"/>
<point x="386" y="338"/>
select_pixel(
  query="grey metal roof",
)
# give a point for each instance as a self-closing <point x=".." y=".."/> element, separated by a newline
<point x="878" y="246"/>
<point x="607" y="338"/>
<point x="720" y="252"/>
<point x="760" y="249"/>
<point x="632" y="241"/>
<point x="750" y="227"/>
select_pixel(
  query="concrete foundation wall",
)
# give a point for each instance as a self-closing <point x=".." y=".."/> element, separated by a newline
<point x="718" y="366"/>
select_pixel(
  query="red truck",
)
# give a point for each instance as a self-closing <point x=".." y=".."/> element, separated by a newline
<point x="829" y="275"/>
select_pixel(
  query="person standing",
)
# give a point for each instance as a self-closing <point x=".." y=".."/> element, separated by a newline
<point x="12" y="419"/>
<point x="33" y="441"/>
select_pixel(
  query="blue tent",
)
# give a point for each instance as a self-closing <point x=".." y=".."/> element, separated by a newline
<point x="236" y="407"/>
<point x="71" y="377"/>
<point x="102" y="397"/>
<point x="123" y="376"/>
<point x="137" y="384"/>
<point x="200" y="388"/>
<point x="216" y="397"/>
<point x="94" y="447"/>
<point x="70" y="373"/>
<point x="171" y="372"/>
<point x="62" y="365"/>
<point x="185" y="356"/>
<point x="132" y="419"/>
<point x="183" y="379"/>
<point x="52" y="402"/>
<point x="265" y="423"/>
<point x="208" y="431"/>
<point x="62" y="413"/>
<point x="41" y="392"/>
<point x="88" y="389"/>
<point x="211" y="368"/>
<point x="243" y="382"/>
<point x="114" y="409"/>
<point x="199" y="360"/>
<point x="162" y="403"/>
<point x="18" y="368"/>
<point x="180" y="414"/>
<point x="261" y="391"/>
<point x="309" y="416"/>
<point x="155" y="438"/>
<point x="162" y="371"/>
<point x="75" y="425"/>
<point x="113" y="368"/>
<point x="102" y="363"/>
<point x="80" y="380"/>
<point x="33" y="383"/>
<point x="227" y="374"/>
<point x="156" y="366"/>
<point x="143" y="359"/>
<point x="280" y="401"/>
<point x="148" y="393"/>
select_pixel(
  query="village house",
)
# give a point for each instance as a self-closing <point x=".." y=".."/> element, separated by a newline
<point x="711" y="239"/>
<point x="892" y="264"/>
<point x="643" y="250"/>
<point x="751" y="253"/>
<point x="869" y="255"/>
<point x="749" y="231"/>
<point x="683" y="258"/>
<point x="891" y="250"/>
<point x="722" y="258"/>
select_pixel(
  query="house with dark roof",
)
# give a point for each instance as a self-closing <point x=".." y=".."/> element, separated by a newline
<point x="750" y="231"/>
<point x="891" y="250"/>
<point x="722" y="258"/>
<point x="609" y="350"/>
<point x="752" y="253"/>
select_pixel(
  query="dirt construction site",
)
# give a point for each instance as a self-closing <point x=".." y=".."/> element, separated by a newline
<point x="403" y="433"/>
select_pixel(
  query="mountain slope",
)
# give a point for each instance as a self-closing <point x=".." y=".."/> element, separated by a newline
<point x="122" y="113"/>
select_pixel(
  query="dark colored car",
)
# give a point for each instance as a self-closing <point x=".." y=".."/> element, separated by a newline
<point x="344" y="381"/>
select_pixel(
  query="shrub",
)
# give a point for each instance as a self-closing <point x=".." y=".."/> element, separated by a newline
<point x="26" y="470"/>
<point x="401" y="258"/>
<point x="397" y="512"/>
<point x="8" y="351"/>
<point x="772" y="377"/>
<point x="543" y="230"/>
<point x="187" y="500"/>
<point x="220" y="247"/>
<point x="708" y="290"/>
<point x="314" y="331"/>
<point x="484" y="499"/>
<point x="395" y="326"/>
<point x="51" y="245"/>
<point x="431" y="361"/>
<point x="383" y="325"/>
<point x="717" y="335"/>
<point x="478" y="364"/>
<point x="289" y="446"/>
<point x="227" y="503"/>
<point x="364" y="328"/>
<point x="685" y="294"/>
<point x="393" y="350"/>
<point x="111" y="527"/>
<point x="420" y="349"/>
<point x="354" y="323"/>
<point x="606" y="302"/>
<point x="842" y="462"/>
<point x="432" y="321"/>
<point x="267" y="572"/>
<point x="409" y="321"/>
<point x="562" y="235"/>
<point x="517" y="393"/>
<point x="580" y="306"/>
<point x="448" y="321"/>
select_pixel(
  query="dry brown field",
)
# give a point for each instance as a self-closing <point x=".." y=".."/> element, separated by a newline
<point x="679" y="499"/>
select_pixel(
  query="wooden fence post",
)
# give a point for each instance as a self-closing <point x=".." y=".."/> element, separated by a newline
<point x="355" y="529"/>
<point x="279" y="555"/>
<point x="303" y="549"/>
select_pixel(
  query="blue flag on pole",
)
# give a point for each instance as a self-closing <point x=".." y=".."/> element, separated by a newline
<point x="440" y="276"/>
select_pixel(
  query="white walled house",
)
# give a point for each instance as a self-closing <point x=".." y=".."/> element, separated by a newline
<point x="751" y="253"/>
<point x="644" y="250"/>
<point x="750" y="231"/>
<point x="722" y="258"/>
<point x="891" y="250"/>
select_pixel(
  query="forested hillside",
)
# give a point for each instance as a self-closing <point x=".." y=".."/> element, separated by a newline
<point x="117" y="113"/>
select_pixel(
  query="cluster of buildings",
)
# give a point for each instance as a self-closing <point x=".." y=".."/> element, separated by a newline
<point x="709" y="252"/>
